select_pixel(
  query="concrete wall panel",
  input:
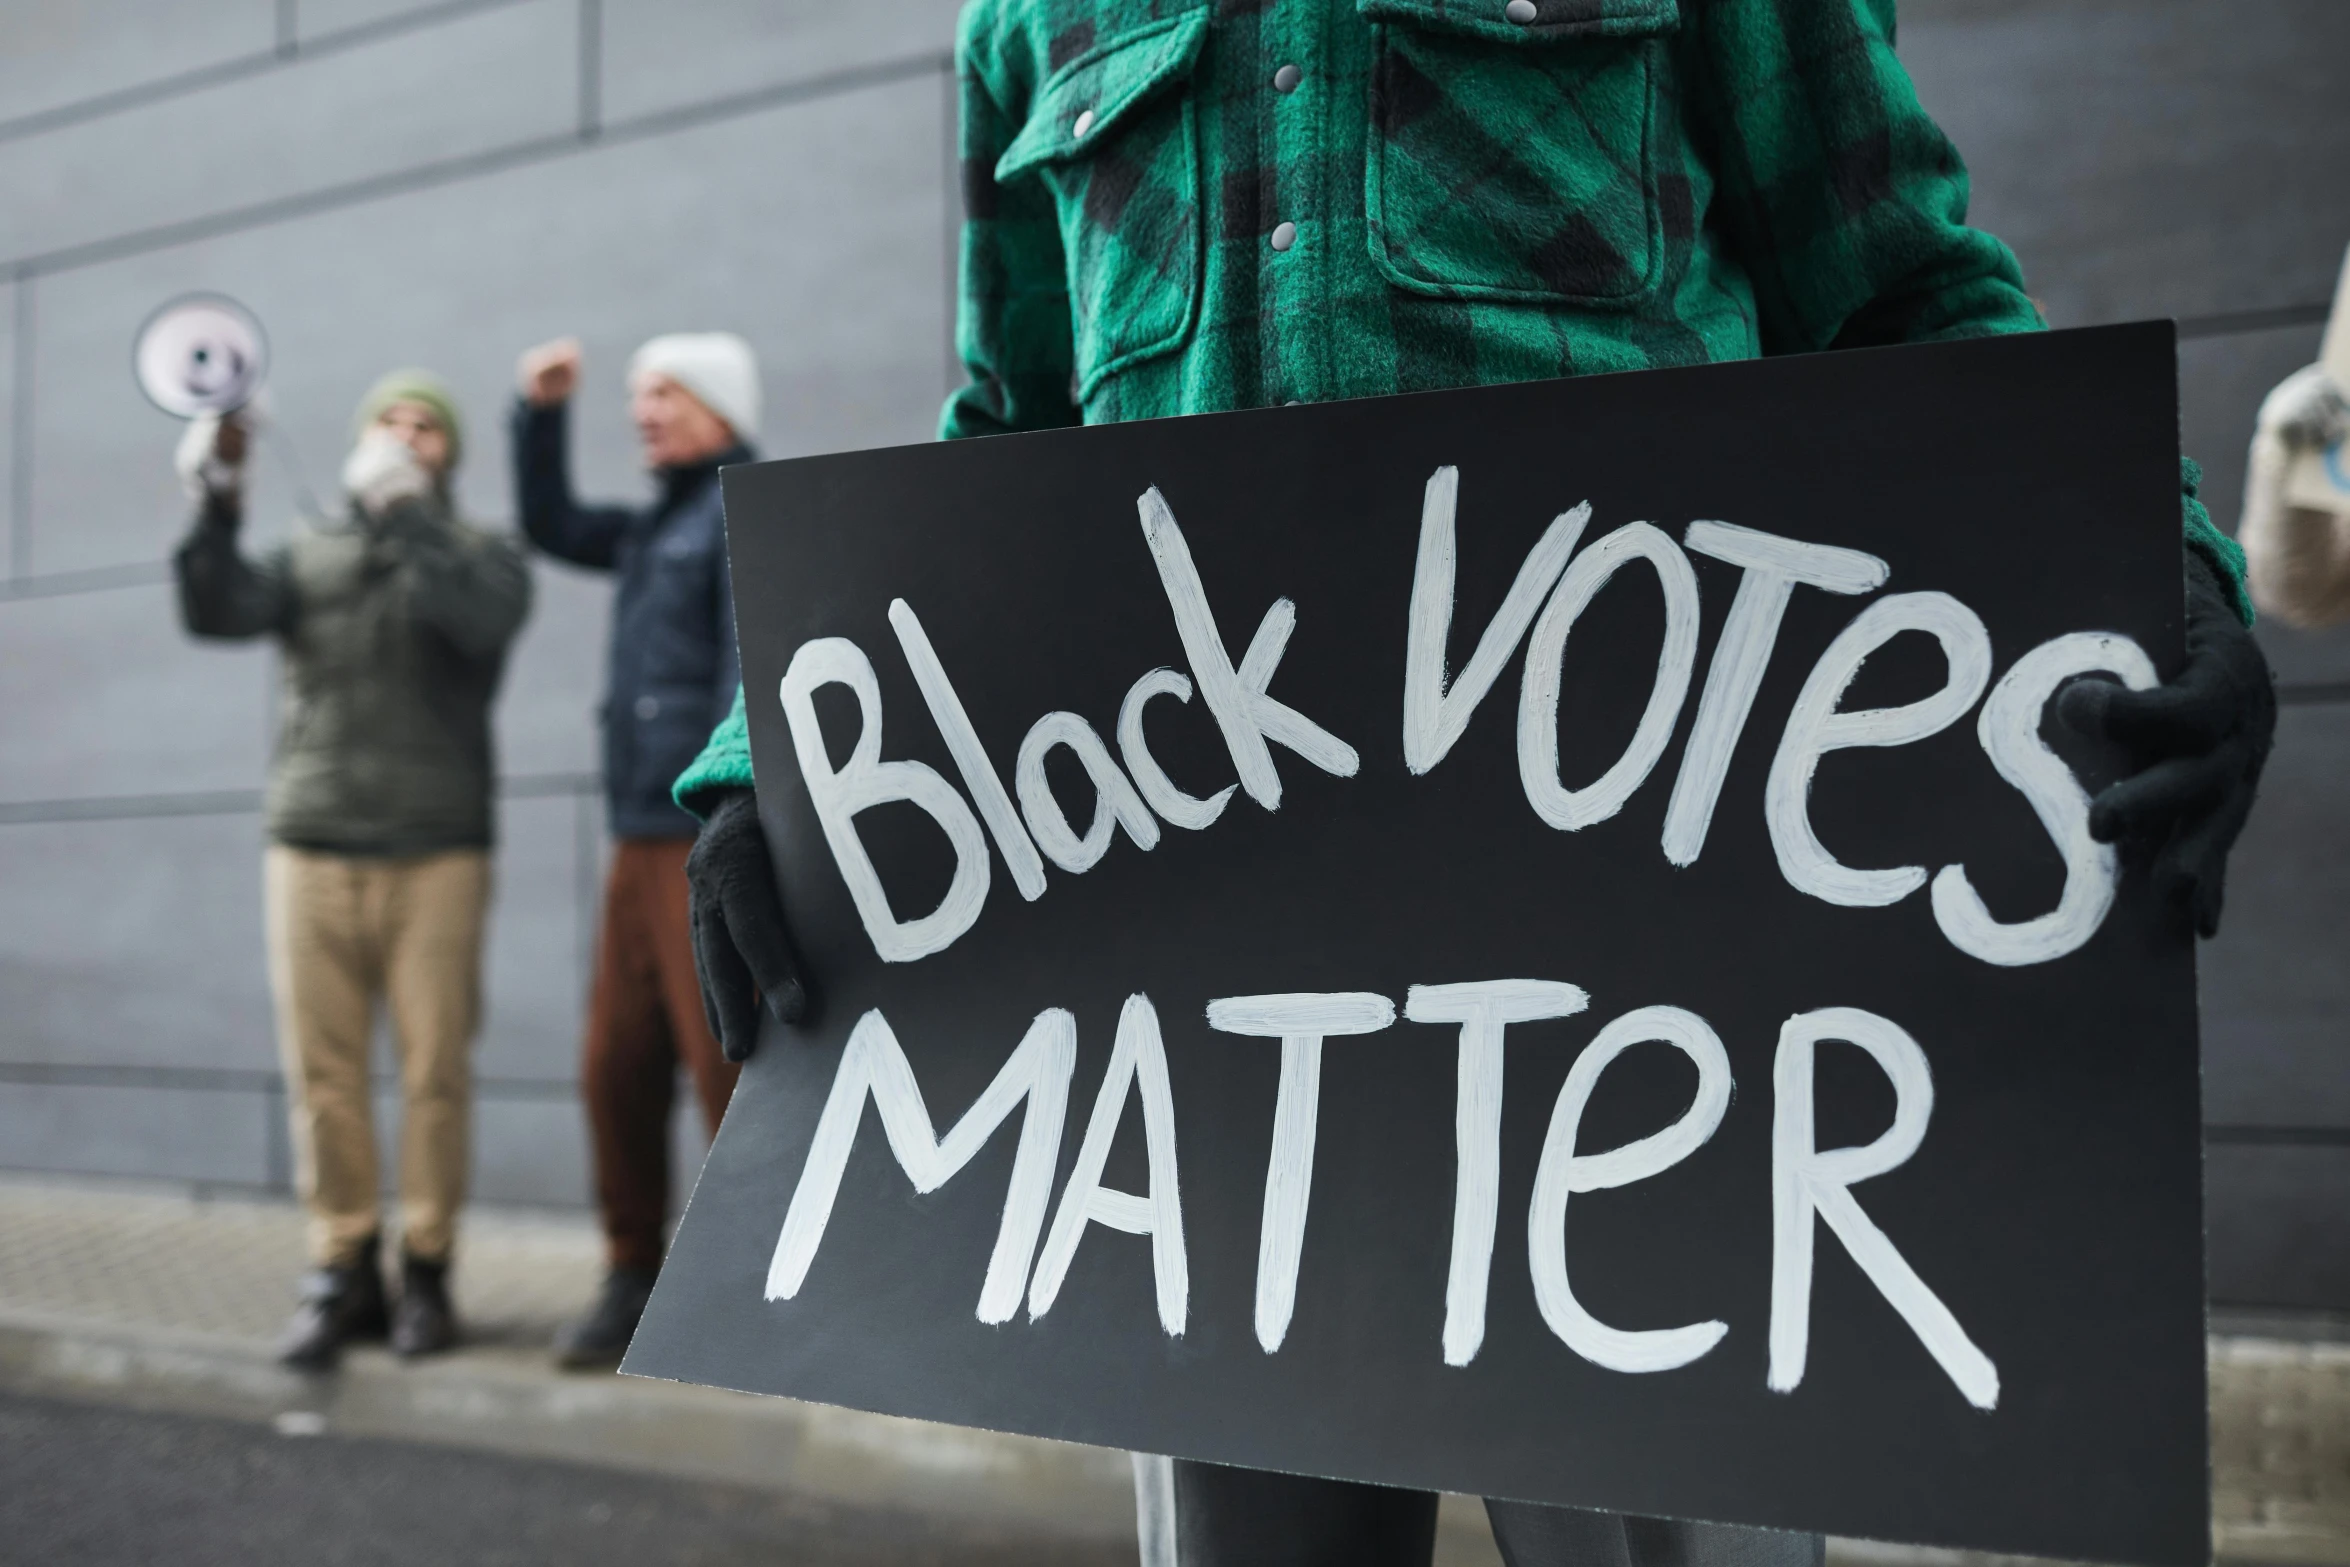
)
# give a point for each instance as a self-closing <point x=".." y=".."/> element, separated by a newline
<point x="8" y="433"/>
<point x="526" y="1152"/>
<point x="317" y="19"/>
<point x="162" y="1134"/>
<point x="546" y="713"/>
<point x="2147" y="159"/>
<point x="2276" y="983"/>
<point x="2279" y="1225"/>
<point x="536" y="986"/>
<point x="2304" y="658"/>
<point x="532" y="1152"/>
<point x="124" y="701"/>
<point x="658" y="56"/>
<point x="133" y="942"/>
<point x="501" y="76"/>
<point x="102" y="490"/>
<point x="65" y="51"/>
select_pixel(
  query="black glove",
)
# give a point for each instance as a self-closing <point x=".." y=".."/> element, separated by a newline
<point x="742" y="947"/>
<point x="2196" y="747"/>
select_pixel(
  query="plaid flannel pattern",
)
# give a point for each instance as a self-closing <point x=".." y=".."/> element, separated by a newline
<point x="1160" y="219"/>
<point x="1615" y="185"/>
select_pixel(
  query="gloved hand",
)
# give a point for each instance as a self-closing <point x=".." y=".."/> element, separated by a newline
<point x="2196" y="748"/>
<point x="2305" y="410"/>
<point x="381" y="471"/>
<point x="210" y="458"/>
<point x="742" y="947"/>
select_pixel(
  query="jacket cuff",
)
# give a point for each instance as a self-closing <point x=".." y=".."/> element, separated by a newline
<point x="220" y="511"/>
<point x="725" y="763"/>
<point x="2224" y="553"/>
<point x="525" y="416"/>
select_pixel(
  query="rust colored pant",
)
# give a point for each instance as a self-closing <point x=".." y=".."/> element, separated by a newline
<point x="644" y="1018"/>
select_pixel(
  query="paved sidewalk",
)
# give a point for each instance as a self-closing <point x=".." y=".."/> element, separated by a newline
<point x="167" y="1303"/>
<point x="226" y="1268"/>
<point x="170" y="1303"/>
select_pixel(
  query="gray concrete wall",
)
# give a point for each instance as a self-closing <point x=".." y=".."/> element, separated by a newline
<point x="393" y="181"/>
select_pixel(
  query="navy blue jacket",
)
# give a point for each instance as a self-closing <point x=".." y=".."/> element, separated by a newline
<point x="673" y="665"/>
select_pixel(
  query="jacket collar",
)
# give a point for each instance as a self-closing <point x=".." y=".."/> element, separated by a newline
<point x="686" y="479"/>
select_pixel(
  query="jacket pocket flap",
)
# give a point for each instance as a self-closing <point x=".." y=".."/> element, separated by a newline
<point x="1553" y="20"/>
<point x="1085" y="100"/>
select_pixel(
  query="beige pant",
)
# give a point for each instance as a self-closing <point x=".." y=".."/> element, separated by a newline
<point x="344" y="931"/>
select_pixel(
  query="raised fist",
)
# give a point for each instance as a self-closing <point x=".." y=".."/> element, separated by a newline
<point x="549" y="373"/>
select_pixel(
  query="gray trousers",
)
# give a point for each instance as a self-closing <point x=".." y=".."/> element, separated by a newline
<point x="1192" y="1514"/>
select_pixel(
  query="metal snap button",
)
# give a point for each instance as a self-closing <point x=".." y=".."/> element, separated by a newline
<point x="1519" y="11"/>
<point x="1287" y="78"/>
<point x="1085" y="117"/>
<point x="1284" y="235"/>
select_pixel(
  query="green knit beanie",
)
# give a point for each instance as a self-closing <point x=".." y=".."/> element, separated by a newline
<point x="414" y="386"/>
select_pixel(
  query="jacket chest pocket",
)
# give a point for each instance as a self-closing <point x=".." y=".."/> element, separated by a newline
<point x="1113" y="136"/>
<point x="1514" y="161"/>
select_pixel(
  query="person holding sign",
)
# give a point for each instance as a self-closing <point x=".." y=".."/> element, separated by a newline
<point x="695" y="400"/>
<point x="394" y="624"/>
<point x="1189" y="210"/>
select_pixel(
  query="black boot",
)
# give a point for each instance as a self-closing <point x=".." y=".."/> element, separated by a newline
<point x="423" y="1323"/>
<point x="601" y="1337"/>
<point x="339" y="1304"/>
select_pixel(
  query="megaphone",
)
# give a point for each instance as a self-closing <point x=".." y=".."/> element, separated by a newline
<point x="200" y="354"/>
<point x="204" y="354"/>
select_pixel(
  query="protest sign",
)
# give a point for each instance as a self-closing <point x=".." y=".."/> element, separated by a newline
<point x="1529" y="940"/>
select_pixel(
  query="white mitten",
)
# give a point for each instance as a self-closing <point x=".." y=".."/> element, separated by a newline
<point x="381" y="471"/>
<point x="2305" y="410"/>
<point x="202" y="470"/>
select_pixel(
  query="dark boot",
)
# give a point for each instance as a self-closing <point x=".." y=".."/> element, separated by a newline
<point x="601" y="1337"/>
<point x="339" y="1304"/>
<point x="423" y="1323"/>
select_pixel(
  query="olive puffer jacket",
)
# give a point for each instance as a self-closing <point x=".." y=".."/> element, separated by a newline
<point x="395" y="631"/>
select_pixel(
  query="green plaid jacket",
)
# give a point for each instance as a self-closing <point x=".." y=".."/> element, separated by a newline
<point x="1187" y="206"/>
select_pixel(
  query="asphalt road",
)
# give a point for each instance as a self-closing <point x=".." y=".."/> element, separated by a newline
<point x="91" y="1487"/>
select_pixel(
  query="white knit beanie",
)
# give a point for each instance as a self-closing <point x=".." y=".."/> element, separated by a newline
<point x="717" y="367"/>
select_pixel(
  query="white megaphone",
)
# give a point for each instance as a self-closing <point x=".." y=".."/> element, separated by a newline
<point x="204" y="354"/>
<point x="201" y="354"/>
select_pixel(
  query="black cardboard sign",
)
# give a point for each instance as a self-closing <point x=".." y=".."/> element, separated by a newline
<point x="1617" y="1008"/>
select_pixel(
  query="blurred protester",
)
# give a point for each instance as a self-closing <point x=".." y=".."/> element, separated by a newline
<point x="672" y="673"/>
<point x="2298" y="556"/>
<point x="393" y="623"/>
